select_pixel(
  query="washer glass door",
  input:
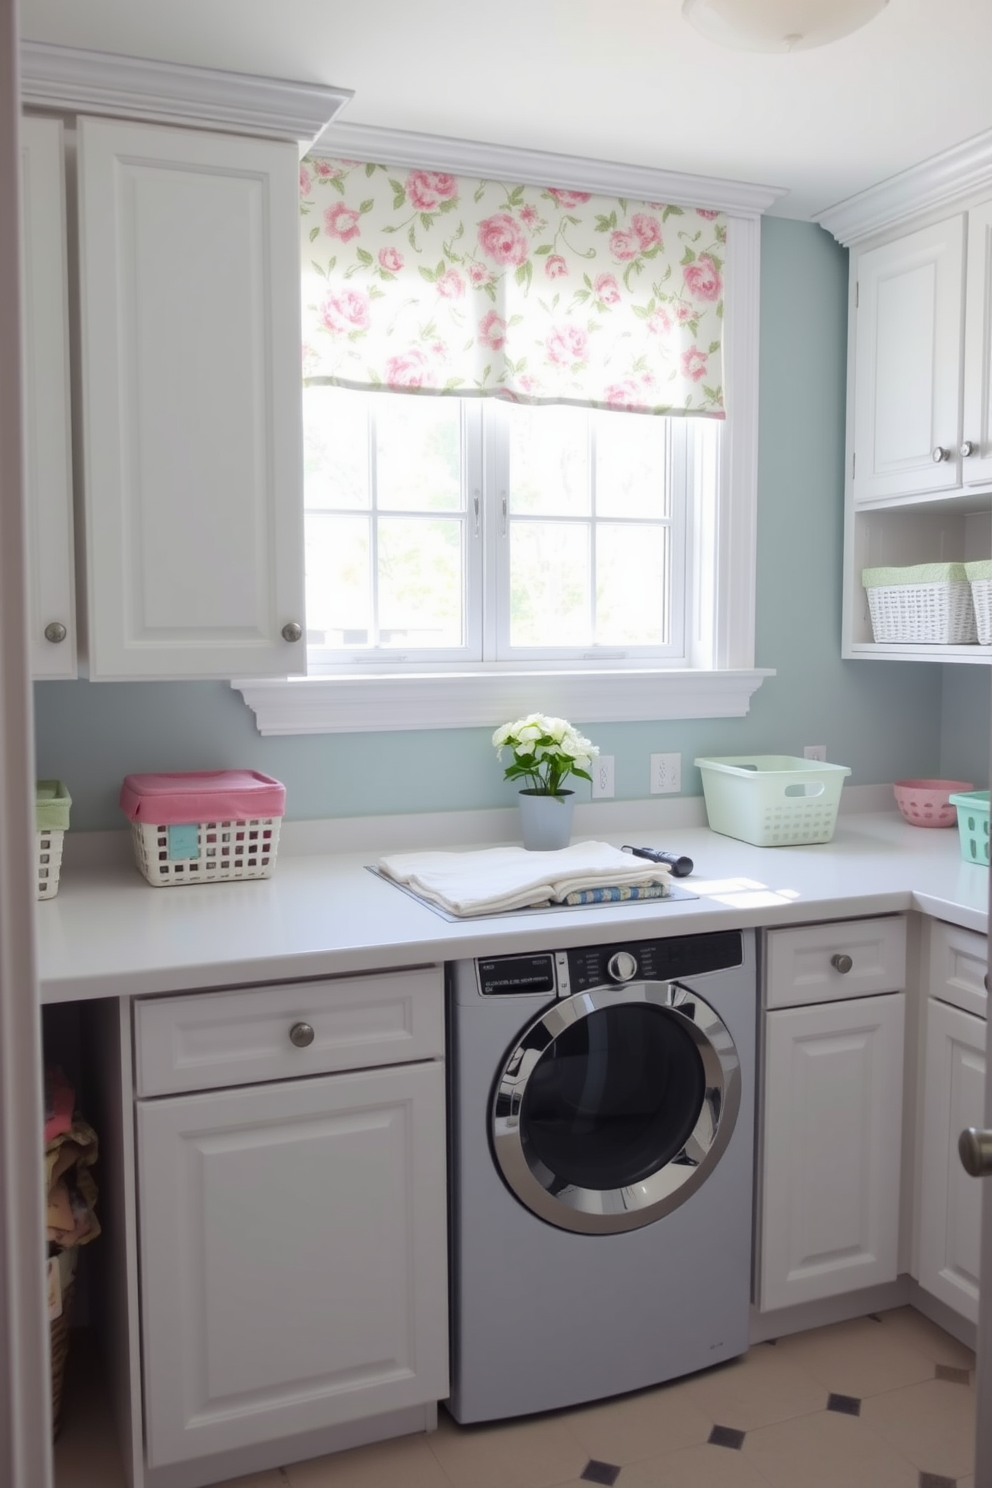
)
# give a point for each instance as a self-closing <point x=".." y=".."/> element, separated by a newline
<point x="614" y="1105"/>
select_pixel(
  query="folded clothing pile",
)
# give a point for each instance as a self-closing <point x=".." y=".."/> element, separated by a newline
<point x="496" y="879"/>
<point x="70" y="1152"/>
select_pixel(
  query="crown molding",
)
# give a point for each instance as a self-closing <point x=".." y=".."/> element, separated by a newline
<point x="941" y="181"/>
<point x="367" y="704"/>
<point x="541" y="168"/>
<point x="68" y="78"/>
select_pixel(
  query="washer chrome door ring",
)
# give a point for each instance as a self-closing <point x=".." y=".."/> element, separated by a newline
<point x="639" y="1198"/>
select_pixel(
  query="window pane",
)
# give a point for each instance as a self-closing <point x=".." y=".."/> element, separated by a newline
<point x="550" y="585"/>
<point x="549" y="461"/>
<point x="420" y="582"/>
<point x="335" y="449"/>
<point x="418" y="452"/>
<point x="631" y="466"/>
<point x="633" y="585"/>
<point x="339" y="588"/>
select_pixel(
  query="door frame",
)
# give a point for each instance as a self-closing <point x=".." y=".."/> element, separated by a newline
<point x="25" y="1405"/>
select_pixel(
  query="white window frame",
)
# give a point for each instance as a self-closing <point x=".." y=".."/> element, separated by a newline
<point x="486" y="479"/>
<point x="721" y="677"/>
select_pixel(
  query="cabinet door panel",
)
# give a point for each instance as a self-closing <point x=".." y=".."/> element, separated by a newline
<point x="976" y="424"/>
<point x="296" y="1237"/>
<point x="950" y="1201"/>
<point x="192" y="412"/>
<point x="47" y="443"/>
<point x="832" y="1149"/>
<point x="908" y="363"/>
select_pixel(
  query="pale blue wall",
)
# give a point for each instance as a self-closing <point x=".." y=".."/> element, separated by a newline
<point x="882" y="719"/>
<point x="964" y="739"/>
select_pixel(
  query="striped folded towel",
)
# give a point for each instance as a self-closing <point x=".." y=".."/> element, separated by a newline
<point x="496" y="879"/>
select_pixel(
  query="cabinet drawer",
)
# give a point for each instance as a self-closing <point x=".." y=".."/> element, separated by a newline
<point x="242" y="1037"/>
<point x="958" y="963"/>
<point x="810" y="964"/>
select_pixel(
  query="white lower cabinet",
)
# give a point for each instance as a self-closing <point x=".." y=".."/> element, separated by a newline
<point x="292" y="1240"/>
<point x="832" y="1146"/>
<point x="950" y="1201"/>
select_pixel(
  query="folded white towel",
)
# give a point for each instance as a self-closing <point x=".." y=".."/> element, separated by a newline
<point x="495" y="879"/>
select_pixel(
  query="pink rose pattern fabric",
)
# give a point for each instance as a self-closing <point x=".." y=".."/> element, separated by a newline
<point x="434" y="283"/>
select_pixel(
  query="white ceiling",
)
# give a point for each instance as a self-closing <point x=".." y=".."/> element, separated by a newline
<point x="622" y="80"/>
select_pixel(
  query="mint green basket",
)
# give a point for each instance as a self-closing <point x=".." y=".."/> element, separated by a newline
<point x="973" y="825"/>
<point x="772" y="800"/>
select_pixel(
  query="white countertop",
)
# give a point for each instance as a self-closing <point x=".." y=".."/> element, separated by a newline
<point x="108" y="933"/>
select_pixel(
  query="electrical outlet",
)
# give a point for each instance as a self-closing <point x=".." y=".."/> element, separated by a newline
<point x="602" y="777"/>
<point x="666" y="774"/>
<point x="815" y="752"/>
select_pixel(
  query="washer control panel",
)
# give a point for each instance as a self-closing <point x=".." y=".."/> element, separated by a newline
<point x="562" y="973"/>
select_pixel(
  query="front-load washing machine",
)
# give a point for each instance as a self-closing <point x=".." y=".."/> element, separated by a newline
<point x="602" y="1153"/>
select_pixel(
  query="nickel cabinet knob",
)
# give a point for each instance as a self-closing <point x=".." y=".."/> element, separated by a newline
<point x="292" y="631"/>
<point x="939" y="453"/>
<point x="969" y="447"/>
<point x="302" y="1035"/>
<point x="841" y="963"/>
<point x="55" y="632"/>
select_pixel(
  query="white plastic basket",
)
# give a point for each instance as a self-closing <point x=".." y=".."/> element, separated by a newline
<point x="772" y="800"/>
<point x="980" y="579"/>
<point x="48" y="863"/>
<point x="929" y="604"/>
<point x="219" y="850"/>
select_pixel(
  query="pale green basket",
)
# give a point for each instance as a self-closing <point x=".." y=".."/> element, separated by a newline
<point x="772" y="800"/>
<point x="973" y="825"/>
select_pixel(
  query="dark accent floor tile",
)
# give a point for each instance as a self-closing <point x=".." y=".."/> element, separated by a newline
<point x="600" y="1472"/>
<point x="847" y="1405"/>
<point x="726" y="1436"/>
<point x="934" y="1480"/>
<point x="952" y="1375"/>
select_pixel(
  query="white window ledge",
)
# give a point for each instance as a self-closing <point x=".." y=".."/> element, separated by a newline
<point x="374" y="704"/>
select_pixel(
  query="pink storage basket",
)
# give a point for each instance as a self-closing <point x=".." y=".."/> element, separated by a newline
<point x="204" y="827"/>
<point x="926" y="803"/>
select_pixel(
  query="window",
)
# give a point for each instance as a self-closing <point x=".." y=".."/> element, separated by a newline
<point x="427" y="611"/>
<point x="442" y="531"/>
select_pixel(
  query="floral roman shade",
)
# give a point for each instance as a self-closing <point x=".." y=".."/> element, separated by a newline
<point x="434" y="283"/>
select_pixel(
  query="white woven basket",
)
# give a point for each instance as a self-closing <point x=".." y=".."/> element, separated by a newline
<point x="939" y="614"/>
<point x="224" y="850"/>
<point x="48" y="862"/>
<point x="981" y="594"/>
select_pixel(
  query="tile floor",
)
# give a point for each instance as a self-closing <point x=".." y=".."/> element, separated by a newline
<point x="880" y="1402"/>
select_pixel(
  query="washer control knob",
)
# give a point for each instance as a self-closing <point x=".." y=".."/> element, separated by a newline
<point x="622" y="966"/>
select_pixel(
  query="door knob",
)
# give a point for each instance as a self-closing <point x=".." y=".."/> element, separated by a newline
<point x="292" y="631"/>
<point x="975" y="1151"/>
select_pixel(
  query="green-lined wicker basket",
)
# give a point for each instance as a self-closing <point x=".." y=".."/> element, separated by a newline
<point x="51" y="820"/>
<point x="926" y="604"/>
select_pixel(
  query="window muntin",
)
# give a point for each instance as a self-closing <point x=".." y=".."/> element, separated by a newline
<point x="447" y="530"/>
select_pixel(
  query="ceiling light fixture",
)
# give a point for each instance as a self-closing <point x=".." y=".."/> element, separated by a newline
<point x="778" y="25"/>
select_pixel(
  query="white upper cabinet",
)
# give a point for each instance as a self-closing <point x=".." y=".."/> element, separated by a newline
<point x="47" y="446"/>
<point x="976" y="423"/>
<point x="191" y="404"/>
<point x="907" y="371"/>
